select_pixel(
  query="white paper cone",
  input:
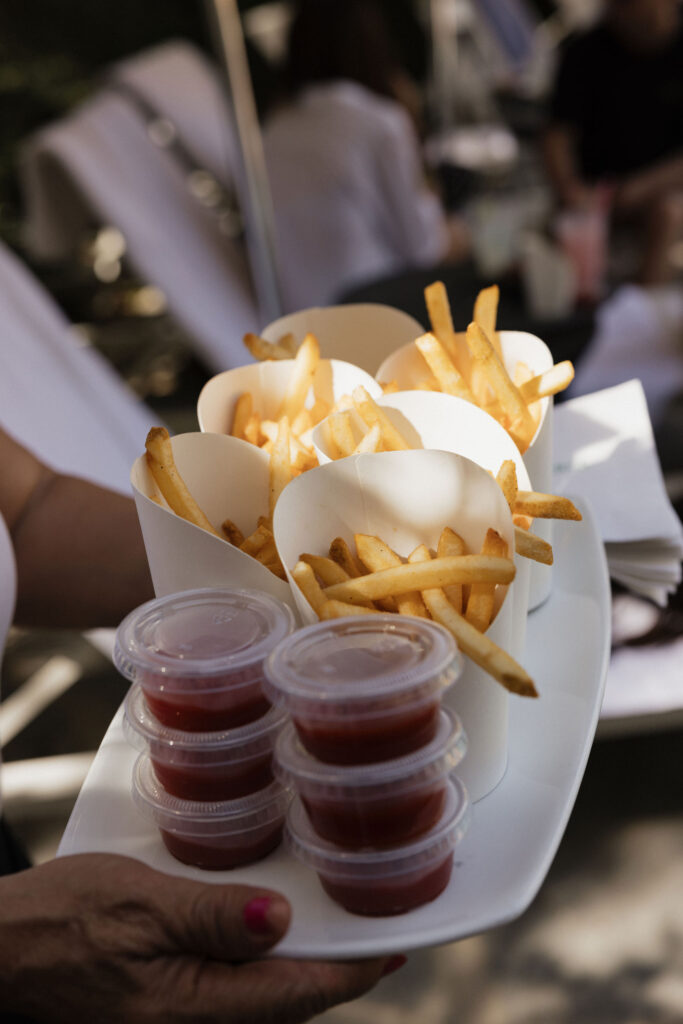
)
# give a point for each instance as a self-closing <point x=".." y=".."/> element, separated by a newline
<point x="408" y="368"/>
<point x="432" y="419"/>
<point x="229" y="479"/>
<point x="360" y="333"/>
<point x="267" y="382"/>
<point x="406" y="498"/>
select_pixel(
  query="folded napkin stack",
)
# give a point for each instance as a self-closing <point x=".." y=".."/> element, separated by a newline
<point x="604" y="450"/>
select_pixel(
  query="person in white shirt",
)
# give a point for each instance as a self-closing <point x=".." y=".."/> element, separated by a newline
<point x="350" y="198"/>
<point x="104" y="938"/>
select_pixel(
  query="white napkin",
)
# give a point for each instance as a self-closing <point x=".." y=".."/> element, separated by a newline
<point x="604" y="450"/>
<point x="98" y="165"/>
<point x="639" y="334"/>
<point x="59" y="397"/>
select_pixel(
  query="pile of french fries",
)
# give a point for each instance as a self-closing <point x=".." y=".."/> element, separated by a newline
<point x="470" y="365"/>
<point x="260" y="544"/>
<point x="450" y="585"/>
<point x="293" y="419"/>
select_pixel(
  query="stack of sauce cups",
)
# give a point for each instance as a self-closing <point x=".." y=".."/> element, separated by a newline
<point x="371" y="752"/>
<point x="198" y="712"/>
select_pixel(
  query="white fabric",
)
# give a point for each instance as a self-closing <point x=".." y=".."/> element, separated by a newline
<point x="639" y="333"/>
<point x="99" y="165"/>
<point x="181" y="84"/>
<point x="58" y="398"/>
<point x="604" y="450"/>
<point x="348" y="192"/>
<point x="8" y="587"/>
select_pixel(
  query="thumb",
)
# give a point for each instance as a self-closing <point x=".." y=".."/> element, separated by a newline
<point x="225" y="922"/>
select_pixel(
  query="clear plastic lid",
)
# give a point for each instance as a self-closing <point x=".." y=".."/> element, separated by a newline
<point x="352" y="660"/>
<point x="298" y="769"/>
<point x="200" y="818"/>
<point x="368" y="863"/>
<point x="142" y="728"/>
<point x="200" y="633"/>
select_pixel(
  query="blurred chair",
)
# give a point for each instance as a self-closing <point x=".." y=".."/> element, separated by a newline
<point x="60" y="398"/>
<point x="153" y="154"/>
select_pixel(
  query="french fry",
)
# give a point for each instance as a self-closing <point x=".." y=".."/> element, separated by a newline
<point x="441" y="365"/>
<point x="486" y="312"/>
<point x="301" y="379"/>
<point x="390" y="387"/>
<point x="252" y="544"/>
<point x="288" y="342"/>
<point x="523" y="522"/>
<point x="370" y="441"/>
<point x="159" y="456"/>
<point x="327" y="569"/>
<point x="244" y="407"/>
<point x="439" y="310"/>
<point x="530" y="546"/>
<point x="263" y="350"/>
<point x="304" y="578"/>
<point x="438" y="573"/>
<point x="252" y="429"/>
<point x="521" y="424"/>
<point x="477" y="646"/>
<point x="480" y="603"/>
<point x="545" y="506"/>
<point x="302" y="422"/>
<point x="554" y="380"/>
<point x="341" y="432"/>
<point x="340" y="609"/>
<point x="341" y="553"/>
<point x="506" y="478"/>
<point x="451" y="543"/>
<point x="376" y="555"/>
<point x="280" y="467"/>
<point x="232" y="532"/>
<point x="371" y="413"/>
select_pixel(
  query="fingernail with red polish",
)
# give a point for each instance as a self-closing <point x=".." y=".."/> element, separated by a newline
<point x="255" y="915"/>
<point x="394" y="964"/>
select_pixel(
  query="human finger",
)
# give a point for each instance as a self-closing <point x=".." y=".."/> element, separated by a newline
<point x="224" y="922"/>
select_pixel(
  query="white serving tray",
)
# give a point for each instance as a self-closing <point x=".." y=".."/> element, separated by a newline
<point x="514" y="831"/>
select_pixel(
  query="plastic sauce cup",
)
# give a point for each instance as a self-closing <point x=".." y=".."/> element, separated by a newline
<point x="379" y="804"/>
<point x="378" y="883"/>
<point x="204" y="765"/>
<point x="364" y="688"/>
<point x="214" y="836"/>
<point x="198" y="655"/>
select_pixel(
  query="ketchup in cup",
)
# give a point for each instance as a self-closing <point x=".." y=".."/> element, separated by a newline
<point x="379" y="804"/>
<point x="198" y="655"/>
<point x="365" y="688"/>
<point x="384" y="882"/>
<point x="204" y="765"/>
<point x="214" y="836"/>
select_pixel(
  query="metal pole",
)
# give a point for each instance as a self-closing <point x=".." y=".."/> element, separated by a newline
<point x="226" y="26"/>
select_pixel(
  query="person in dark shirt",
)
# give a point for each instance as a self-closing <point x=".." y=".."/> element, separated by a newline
<point x="616" y="124"/>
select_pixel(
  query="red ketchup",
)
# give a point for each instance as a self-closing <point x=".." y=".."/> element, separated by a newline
<point x="391" y="880"/>
<point x="363" y="689"/>
<point x="214" y="836"/>
<point x="211" y="766"/>
<point x="198" y="655"/>
<point x="380" y="804"/>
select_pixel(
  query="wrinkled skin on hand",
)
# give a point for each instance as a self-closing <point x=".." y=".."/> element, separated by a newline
<point x="103" y="938"/>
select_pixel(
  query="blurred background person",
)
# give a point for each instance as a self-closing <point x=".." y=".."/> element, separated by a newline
<point x="615" y="137"/>
<point x="350" y="195"/>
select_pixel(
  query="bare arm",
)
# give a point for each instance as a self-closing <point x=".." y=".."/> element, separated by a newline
<point x="80" y="557"/>
<point x="561" y="167"/>
<point x="642" y="188"/>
